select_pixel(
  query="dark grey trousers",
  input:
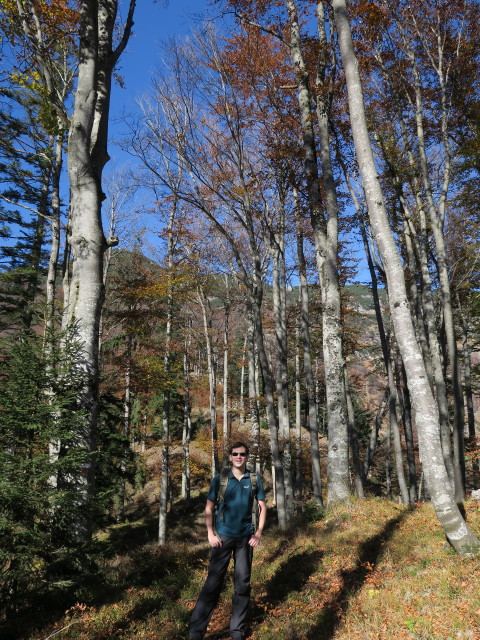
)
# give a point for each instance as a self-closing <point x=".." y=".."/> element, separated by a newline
<point x="219" y="560"/>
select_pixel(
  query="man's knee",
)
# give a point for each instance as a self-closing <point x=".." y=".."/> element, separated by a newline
<point x="242" y="582"/>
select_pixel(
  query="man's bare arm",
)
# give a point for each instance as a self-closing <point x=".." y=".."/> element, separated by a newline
<point x="262" y="516"/>
<point x="213" y="539"/>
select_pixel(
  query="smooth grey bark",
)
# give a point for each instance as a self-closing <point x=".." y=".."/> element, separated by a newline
<point x="392" y="389"/>
<point x="298" y="419"/>
<point x="254" y="411"/>
<point x="258" y="373"/>
<point x="163" y="502"/>
<point x="26" y="315"/>
<point x="166" y="408"/>
<point x="423" y="402"/>
<point x="126" y="431"/>
<point x="256" y="296"/>
<point x="418" y="295"/>
<point x="227" y="305"/>
<point x="45" y="63"/>
<point x="307" y="366"/>
<point x="57" y="161"/>
<point x="212" y="377"/>
<point x="187" y="418"/>
<point x="325" y="230"/>
<point x="279" y="312"/>
<point x="56" y="77"/>
<point x="54" y="446"/>
<point x="242" y="382"/>
<point x="409" y="440"/>
<point x="87" y="155"/>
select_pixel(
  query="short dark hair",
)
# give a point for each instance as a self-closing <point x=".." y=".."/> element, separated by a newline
<point x="235" y="445"/>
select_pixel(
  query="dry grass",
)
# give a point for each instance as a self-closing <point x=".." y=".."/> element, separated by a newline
<point x="372" y="570"/>
<point x="385" y="572"/>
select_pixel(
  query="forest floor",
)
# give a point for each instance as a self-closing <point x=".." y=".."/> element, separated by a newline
<point x="370" y="570"/>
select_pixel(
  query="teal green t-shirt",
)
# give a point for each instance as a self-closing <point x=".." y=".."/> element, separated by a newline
<point x="234" y="516"/>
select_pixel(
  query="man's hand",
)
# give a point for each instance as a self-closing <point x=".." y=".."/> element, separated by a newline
<point x="255" y="540"/>
<point x="214" y="540"/>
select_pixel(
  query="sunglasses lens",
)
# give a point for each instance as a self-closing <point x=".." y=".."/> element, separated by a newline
<point x="236" y="455"/>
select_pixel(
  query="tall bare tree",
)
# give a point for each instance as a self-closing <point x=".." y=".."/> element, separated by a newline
<point x="87" y="156"/>
<point x="425" y="407"/>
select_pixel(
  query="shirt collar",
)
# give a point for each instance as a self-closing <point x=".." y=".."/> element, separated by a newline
<point x="245" y="475"/>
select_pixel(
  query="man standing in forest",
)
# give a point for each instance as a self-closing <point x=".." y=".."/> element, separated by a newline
<point x="238" y="497"/>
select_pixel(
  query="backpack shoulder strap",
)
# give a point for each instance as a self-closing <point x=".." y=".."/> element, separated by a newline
<point x="222" y="485"/>
<point x="254" y="482"/>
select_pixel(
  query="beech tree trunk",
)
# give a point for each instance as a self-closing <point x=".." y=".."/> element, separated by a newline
<point x="225" y="373"/>
<point x="187" y="424"/>
<point x="87" y="155"/>
<point x="407" y="423"/>
<point x="55" y="239"/>
<point x="212" y="379"/>
<point x="254" y="412"/>
<point x="279" y="312"/>
<point x="326" y="246"/>
<point x="127" y="411"/>
<point x="165" y="473"/>
<point x="298" y="420"/>
<point x="423" y="402"/>
<point x="242" y="382"/>
<point x="307" y="367"/>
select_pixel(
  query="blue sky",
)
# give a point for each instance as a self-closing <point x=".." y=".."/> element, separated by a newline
<point x="154" y="23"/>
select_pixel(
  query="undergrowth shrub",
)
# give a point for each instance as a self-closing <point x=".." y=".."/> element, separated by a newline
<point x="313" y="512"/>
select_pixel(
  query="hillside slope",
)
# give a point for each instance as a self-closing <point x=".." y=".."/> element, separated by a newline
<point x="371" y="570"/>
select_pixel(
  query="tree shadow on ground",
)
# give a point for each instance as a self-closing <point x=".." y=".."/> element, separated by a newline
<point x="291" y="576"/>
<point x="181" y="524"/>
<point x="370" y="553"/>
<point x="280" y="550"/>
<point x="143" y="565"/>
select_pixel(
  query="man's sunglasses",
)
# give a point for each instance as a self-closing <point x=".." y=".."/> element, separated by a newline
<point x="235" y="454"/>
